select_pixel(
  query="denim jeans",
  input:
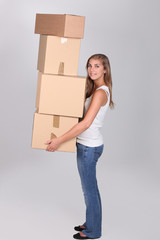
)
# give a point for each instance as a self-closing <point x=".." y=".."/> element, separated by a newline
<point x="87" y="158"/>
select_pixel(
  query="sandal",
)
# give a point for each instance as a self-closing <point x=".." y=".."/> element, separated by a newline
<point x="78" y="236"/>
<point x="78" y="228"/>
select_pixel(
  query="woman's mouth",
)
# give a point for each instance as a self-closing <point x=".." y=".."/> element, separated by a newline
<point x="92" y="74"/>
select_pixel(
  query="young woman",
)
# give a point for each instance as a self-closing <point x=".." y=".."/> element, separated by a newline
<point x="90" y="141"/>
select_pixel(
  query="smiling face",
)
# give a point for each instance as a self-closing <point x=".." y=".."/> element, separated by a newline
<point x="95" y="69"/>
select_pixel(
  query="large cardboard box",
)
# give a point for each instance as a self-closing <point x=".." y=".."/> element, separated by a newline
<point x="60" y="95"/>
<point x="46" y="127"/>
<point x="58" y="55"/>
<point x="62" y="25"/>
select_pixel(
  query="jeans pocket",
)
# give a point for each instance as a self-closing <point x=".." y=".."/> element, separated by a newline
<point x="82" y="151"/>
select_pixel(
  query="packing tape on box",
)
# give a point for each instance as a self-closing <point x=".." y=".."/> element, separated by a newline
<point x="56" y="120"/>
<point x="61" y="68"/>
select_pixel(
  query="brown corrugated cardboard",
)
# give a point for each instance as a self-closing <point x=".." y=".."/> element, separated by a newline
<point x="60" y="95"/>
<point x="46" y="127"/>
<point x="62" y="25"/>
<point x="58" y="55"/>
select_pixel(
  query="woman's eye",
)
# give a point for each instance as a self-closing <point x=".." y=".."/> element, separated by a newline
<point x="97" y="66"/>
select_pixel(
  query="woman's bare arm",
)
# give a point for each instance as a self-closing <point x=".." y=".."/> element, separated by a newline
<point x="98" y="100"/>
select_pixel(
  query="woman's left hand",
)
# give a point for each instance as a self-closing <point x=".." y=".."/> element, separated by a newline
<point x="53" y="144"/>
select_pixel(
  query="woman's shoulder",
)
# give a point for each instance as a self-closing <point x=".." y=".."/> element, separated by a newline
<point x="103" y="87"/>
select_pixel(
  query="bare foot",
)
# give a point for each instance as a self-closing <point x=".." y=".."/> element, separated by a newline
<point x="82" y="235"/>
<point x="82" y="226"/>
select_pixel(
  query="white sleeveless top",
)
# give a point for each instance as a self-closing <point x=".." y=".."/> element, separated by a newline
<point x="92" y="137"/>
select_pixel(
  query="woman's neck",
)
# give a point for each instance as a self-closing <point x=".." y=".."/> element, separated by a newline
<point x="98" y="83"/>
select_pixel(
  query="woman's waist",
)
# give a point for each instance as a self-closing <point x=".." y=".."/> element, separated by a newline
<point x="91" y="133"/>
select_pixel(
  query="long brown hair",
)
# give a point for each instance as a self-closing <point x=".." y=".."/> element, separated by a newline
<point x="107" y="77"/>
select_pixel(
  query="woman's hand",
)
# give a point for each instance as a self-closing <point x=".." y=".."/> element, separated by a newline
<point x="53" y="144"/>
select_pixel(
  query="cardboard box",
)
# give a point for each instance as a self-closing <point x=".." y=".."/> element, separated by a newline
<point x="62" y="25"/>
<point x="46" y="127"/>
<point x="58" y="55"/>
<point x="60" y="95"/>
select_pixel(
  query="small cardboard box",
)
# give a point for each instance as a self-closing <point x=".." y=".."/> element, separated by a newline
<point x="60" y="95"/>
<point x="62" y="25"/>
<point x="46" y="127"/>
<point x="58" y="55"/>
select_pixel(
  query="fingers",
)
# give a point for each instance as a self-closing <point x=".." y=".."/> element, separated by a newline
<point x="50" y="149"/>
<point x="52" y="146"/>
<point x="48" y="142"/>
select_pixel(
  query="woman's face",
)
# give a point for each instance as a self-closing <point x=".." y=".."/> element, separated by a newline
<point x="95" y="69"/>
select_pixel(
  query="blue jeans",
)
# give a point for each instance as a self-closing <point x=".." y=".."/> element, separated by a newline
<point x="87" y="158"/>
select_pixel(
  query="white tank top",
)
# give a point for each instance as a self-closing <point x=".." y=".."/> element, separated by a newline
<point x="92" y="137"/>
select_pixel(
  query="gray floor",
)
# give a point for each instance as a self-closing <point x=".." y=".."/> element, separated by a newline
<point x="38" y="197"/>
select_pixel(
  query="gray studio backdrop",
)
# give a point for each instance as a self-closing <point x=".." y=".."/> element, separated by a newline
<point x="40" y="192"/>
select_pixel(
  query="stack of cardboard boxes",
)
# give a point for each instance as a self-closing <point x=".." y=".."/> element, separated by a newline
<point x="60" y="92"/>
